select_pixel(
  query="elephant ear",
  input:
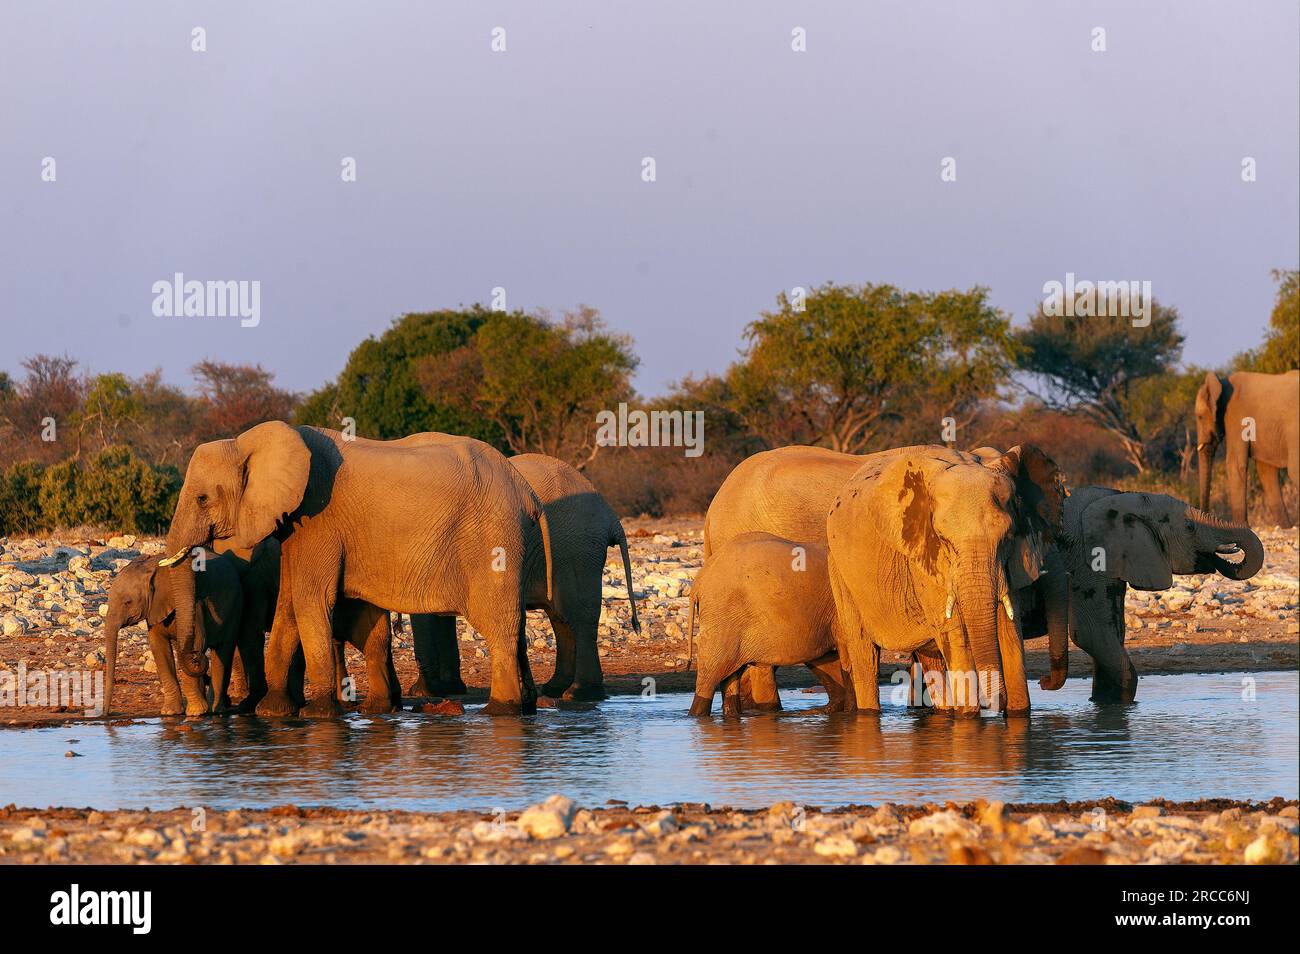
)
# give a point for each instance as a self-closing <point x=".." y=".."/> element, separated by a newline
<point x="1040" y="492"/>
<point x="1208" y="399"/>
<point x="1130" y="550"/>
<point x="899" y="503"/>
<point x="275" y="464"/>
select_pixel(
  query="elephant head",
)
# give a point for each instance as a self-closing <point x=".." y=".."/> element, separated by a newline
<point x="130" y="600"/>
<point x="239" y="490"/>
<point x="976" y="529"/>
<point x="1140" y="540"/>
<point x="1211" y="400"/>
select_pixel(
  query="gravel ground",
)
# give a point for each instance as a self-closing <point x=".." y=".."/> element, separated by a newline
<point x="559" y="832"/>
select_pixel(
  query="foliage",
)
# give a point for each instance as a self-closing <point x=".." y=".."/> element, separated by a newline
<point x="379" y="387"/>
<point x="113" y="489"/>
<point x="19" y="507"/>
<point x="857" y="362"/>
<point x="1280" y="351"/>
<point x="234" y="397"/>
<point x="1089" y="365"/>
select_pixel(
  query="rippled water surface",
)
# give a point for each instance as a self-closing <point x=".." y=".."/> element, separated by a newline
<point x="1187" y="737"/>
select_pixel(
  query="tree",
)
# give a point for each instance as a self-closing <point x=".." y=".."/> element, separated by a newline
<point x="109" y="405"/>
<point x="1280" y="351"/>
<point x="856" y="364"/>
<point x="379" y="387"/>
<point x="50" y="390"/>
<point x="540" y="382"/>
<point x="234" y="397"/>
<point x="1091" y="365"/>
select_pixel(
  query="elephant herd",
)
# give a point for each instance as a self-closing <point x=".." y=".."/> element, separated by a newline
<point x="811" y="557"/>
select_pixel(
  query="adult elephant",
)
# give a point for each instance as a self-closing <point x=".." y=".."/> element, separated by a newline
<point x="1114" y="540"/>
<point x="414" y="529"/>
<point x="1251" y="415"/>
<point x="582" y="527"/>
<point x="927" y="550"/>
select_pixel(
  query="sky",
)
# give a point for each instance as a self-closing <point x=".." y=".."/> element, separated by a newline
<point x="523" y="170"/>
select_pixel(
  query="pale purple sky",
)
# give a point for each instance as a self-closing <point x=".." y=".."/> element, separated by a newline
<point x="523" y="169"/>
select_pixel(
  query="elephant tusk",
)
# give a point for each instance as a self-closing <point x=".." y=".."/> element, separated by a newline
<point x="947" y="612"/>
<point x="1006" y="605"/>
<point x="175" y="558"/>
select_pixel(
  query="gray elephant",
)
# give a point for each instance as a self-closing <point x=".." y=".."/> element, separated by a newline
<point x="415" y="529"/>
<point x="763" y="600"/>
<point x="137" y="594"/>
<point x="1253" y="416"/>
<point x="1115" y="540"/>
<point x="582" y="528"/>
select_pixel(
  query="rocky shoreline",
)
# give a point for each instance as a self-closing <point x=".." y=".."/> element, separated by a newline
<point x="558" y="831"/>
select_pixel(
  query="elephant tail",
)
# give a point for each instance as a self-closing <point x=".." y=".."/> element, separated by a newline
<point x="620" y="538"/>
<point x="690" y="620"/>
<point x="546" y="548"/>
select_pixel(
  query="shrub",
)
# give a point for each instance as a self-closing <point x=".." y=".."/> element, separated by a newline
<point x="20" y="510"/>
<point x="115" y="489"/>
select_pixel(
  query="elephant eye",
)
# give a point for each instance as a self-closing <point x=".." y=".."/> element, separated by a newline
<point x="203" y="500"/>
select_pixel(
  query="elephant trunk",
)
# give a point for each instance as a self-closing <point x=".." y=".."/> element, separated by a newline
<point x="181" y="537"/>
<point x="977" y="598"/>
<point x="1204" y="465"/>
<point x="111" y="627"/>
<point x="1056" y="607"/>
<point x="1215" y="536"/>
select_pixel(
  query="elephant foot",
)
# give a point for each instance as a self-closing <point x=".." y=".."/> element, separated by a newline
<point x="437" y="688"/>
<point x="730" y="707"/>
<point x="773" y="705"/>
<point x="963" y="712"/>
<point x="275" y="705"/>
<point x="172" y="709"/>
<point x="193" y="715"/>
<point x="379" y="706"/>
<point x="500" y="707"/>
<point x="555" y="687"/>
<point x="322" y="707"/>
<point x="588" y="693"/>
<point x="701" y="706"/>
<point x="1017" y="713"/>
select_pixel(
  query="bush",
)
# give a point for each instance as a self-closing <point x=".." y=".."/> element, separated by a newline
<point x="115" y="489"/>
<point x="20" y="510"/>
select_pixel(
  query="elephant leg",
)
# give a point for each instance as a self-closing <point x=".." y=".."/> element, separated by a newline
<point x="437" y="655"/>
<point x="251" y="654"/>
<point x="1268" y="479"/>
<point x="1236" y="464"/>
<point x="163" y="660"/>
<point x="284" y="659"/>
<point x="831" y="676"/>
<point x="296" y="690"/>
<point x="378" y="650"/>
<point x="314" y="596"/>
<point x="195" y="687"/>
<point x="1012" y="650"/>
<point x="960" y="681"/>
<point x="859" y="656"/>
<point x="504" y="633"/>
<point x="706" y="684"/>
<point x="566" y="657"/>
<point x="345" y="687"/>
<point x="731" y="696"/>
<point x="222" y="666"/>
<point x="758" y="689"/>
<point x="931" y="680"/>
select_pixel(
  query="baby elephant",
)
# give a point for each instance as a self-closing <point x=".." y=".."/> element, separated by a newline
<point x="136" y="595"/>
<point x="765" y="601"/>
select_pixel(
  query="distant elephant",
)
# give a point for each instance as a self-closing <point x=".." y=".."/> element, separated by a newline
<point x="763" y="600"/>
<point x="1114" y="540"/>
<point x="582" y="528"/>
<point x="414" y="529"/>
<point x="136" y="595"/>
<point x="927" y="549"/>
<point x="1252" y="415"/>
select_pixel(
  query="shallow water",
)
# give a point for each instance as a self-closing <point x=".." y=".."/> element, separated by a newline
<point x="1188" y="737"/>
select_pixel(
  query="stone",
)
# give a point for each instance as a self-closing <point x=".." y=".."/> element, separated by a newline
<point x="1265" y="850"/>
<point x="550" y="819"/>
<point x="665" y="823"/>
<point x="836" y="846"/>
<point x="13" y="625"/>
<point x="1147" y="811"/>
<point x="942" y="824"/>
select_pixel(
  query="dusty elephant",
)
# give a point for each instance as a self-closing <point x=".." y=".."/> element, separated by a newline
<point x="927" y="551"/>
<point x="137" y="594"/>
<point x="415" y="529"/>
<point x="582" y="527"/>
<point x="763" y="600"/>
<point x="1253" y="416"/>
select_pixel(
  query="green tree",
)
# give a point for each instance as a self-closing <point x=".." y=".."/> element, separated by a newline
<point x="1280" y="351"/>
<point x="540" y="382"/>
<point x="379" y="387"/>
<point x="110" y="405"/>
<point x="20" y="509"/>
<point x="858" y="364"/>
<point x="1091" y="365"/>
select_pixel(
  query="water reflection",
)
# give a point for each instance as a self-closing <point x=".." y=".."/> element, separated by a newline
<point x="650" y="751"/>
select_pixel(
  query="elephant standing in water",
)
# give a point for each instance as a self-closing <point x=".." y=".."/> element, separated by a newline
<point x="414" y="529"/>
<point x="582" y="528"/>
<point x="927" y="550"/>
<point x="1114" y="540"/>
<point x="1251" y="415"/>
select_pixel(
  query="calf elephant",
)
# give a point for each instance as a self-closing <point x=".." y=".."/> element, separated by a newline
<point x="582" y="528"/>
<point x="136" y="596"/>
<point x="763" y="600"/>
<point x="1251" y="415"/>
<point x="926" y="550"/>
<point x="415" y="529"/>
